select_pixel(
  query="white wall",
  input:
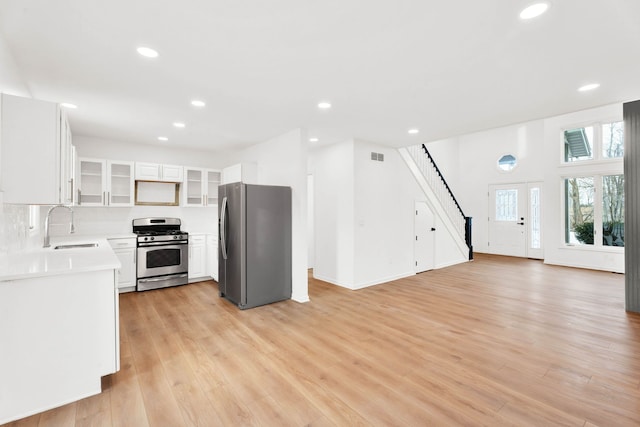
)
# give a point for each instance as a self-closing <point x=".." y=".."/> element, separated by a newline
<point x="332" y="169"/>
<point x="384" y="205"/>
<point x="156" y="153"/>
<point x="11" y="80"/>
<point x="311" y="242"/>
<point x="364" y="216"/>
<point x="470" y="164"/>
<point x="283" y="161"/>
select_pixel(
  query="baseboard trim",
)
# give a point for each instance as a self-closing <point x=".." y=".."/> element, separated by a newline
<point x="362" y="285"/>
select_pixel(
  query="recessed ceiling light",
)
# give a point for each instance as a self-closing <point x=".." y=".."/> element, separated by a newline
<point x="179" y="124"/>
<point x="163" y="138"/>
<point x="590" y="86"/>
<point x="313" y="139"/>
<point x="147" y="52"/>
<point x="413" y="131"/>
<point x="68" y="105"/>
<point x="198" y="103"/>
<point x="324" y="105"/>
<point x="534" y="10"/>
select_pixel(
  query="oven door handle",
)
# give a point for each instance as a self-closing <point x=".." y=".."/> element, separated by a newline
<point x="159" y="279"/>
<point x="167" y="243"/>
<point x="223" y="234"/>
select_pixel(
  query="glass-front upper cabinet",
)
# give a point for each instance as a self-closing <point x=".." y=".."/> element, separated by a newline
<point x="201" y="187"/>
<point x="105" y="183"/>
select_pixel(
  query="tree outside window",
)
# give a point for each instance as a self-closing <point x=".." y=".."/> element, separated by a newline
<point x="582" y="219"/>
<point x="613" y="140"/>
<point x="613" y="210"/>
<point x="579" y="210"/>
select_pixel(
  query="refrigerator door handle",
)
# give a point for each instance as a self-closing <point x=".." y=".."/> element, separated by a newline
<point x="223" y="220"/>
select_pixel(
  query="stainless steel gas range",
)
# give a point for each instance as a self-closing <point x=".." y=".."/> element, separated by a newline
<point x="162" y="253"/>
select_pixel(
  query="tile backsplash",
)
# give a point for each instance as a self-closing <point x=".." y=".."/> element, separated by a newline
<point x="15" y="234"/>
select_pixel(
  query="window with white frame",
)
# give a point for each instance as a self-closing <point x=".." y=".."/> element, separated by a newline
<point x="594" y="210"/>
<point x="597" y="141"/>
<point x="594" y="202"/>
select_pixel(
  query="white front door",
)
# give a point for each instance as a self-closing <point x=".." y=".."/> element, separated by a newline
<point x="424" y="245"/>
<point x="508" y="219"/>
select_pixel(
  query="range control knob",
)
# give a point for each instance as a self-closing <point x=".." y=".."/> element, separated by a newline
<point x="146" y="238"/>
<point x="152" y="238"/>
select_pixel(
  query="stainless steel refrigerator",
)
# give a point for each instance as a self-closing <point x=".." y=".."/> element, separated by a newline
<point x="254" y="243"/>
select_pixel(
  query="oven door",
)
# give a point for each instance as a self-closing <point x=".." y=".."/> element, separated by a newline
<point x="162" y="260"/>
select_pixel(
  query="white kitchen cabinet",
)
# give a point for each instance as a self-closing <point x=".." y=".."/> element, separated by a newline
<point x="200" y="187"/>
<point x="197" y="256"/>
<point x="37" y="152"/>
<point x="241" y="172"/>
<point x="212" y="256"/>
<point x="125" y="250"/>
<point x="60" y="336"/>
<point x="106" y="183"/>
<point x="158" y="172"/>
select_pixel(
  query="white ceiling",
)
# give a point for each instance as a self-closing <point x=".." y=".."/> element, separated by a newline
<point x="445" y="67"/>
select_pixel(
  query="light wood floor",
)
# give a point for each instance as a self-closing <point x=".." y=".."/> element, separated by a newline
<point x="498" y="341"/>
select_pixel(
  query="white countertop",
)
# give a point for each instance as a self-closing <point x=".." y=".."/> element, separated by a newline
<point x="42" y="262"/>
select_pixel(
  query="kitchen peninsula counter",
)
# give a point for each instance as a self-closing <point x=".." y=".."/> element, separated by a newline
<point x="59" y="325"/>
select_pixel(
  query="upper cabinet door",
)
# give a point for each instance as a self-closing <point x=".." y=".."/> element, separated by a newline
<point x="147" y="171"/>
<point x="120" y="183"/>
<point x="171" y="173"/>
<point x="31" y="133"/>
<point x="106" y="183"/>
<point x="200" y="187"/>
<point x="158" y="172"/>
<point x="213" y="181"/>
<point x="193" y="189"/>
<point x="93" y="182"/>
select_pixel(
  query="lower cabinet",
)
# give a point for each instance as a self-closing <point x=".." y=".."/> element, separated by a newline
<point x="203" y="257"/>
<point x="125" y="250"/>
<point x="60" y="336"/>
<point x="197" y="257"/>
<point x="212" y="256"/>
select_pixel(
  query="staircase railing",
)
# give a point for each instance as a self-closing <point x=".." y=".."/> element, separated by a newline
<point x="443" y="192"/>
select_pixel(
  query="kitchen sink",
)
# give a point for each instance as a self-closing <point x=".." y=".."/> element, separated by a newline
<point x="76" y="246"/>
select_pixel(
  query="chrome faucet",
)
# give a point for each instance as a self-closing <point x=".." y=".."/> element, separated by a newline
<point x="46" y="224"/>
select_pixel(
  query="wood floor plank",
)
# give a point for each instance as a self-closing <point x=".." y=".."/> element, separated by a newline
<point x="63" y="416"/>
<point x="498" y="341"/>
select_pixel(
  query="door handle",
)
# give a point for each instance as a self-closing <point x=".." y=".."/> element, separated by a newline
<point x="223" y="220"/>
<point x="520" y="223"/>
<point x="158" y="279"/>
<point x="433" y="229"/>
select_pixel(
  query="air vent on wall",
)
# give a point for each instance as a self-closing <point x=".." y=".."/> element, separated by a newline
<point x="377" y="157"/>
